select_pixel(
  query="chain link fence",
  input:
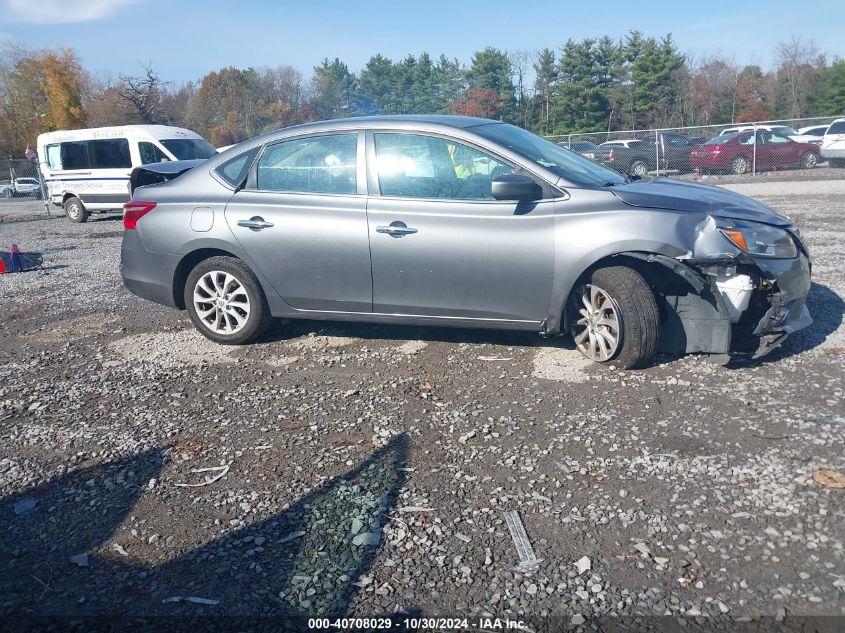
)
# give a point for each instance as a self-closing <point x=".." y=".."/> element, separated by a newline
<point x="738" y="148"/>
<point x="20" y="178"/>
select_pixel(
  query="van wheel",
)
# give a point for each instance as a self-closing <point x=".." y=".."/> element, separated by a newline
<point x="226" y="302"/>
<point x="75" y="210"/>
<point x="614" y="317"/>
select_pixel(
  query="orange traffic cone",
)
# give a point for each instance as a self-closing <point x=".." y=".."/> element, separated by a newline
<point x="2" y="264"/>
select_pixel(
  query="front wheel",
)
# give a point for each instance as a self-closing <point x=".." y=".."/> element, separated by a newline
<point x="614" y="317"/>
<point x="225" y="301"/>
<point x="638" y="168"/>
<point x="809" y="160"/>
<point x="75" y="210"/>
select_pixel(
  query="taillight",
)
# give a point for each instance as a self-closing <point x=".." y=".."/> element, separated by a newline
<point x="610" y="156"/>
<point x="134" y="210"/>
<point x="716" y="149"/>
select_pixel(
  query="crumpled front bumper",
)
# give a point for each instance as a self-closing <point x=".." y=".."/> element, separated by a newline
<point x="787" y="297"/>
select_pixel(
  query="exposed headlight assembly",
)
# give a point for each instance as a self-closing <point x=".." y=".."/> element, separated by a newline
<point x="761" y="240"/>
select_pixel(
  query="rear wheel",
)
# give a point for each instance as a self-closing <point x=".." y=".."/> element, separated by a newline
<point x="614" y="317"/>
<point x="740" y="165"/>
<point x="75" y="210"/>
<point x="225" y="301"/>
<point x="809" y="160"/>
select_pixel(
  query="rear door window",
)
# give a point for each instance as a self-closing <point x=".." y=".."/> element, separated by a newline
<point x="316" y="164"/>
<point x="837" y="128"/>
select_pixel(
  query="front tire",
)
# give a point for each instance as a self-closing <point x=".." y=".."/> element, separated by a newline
<point x="75" y="210"/>
<point x="225" y="301"/>
<point x="638" y="168"/>
<point x="614" y="318"/>
<point x="809" y="160"/>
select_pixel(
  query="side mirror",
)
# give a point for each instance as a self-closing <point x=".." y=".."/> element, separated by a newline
<point x="515" y="187"/>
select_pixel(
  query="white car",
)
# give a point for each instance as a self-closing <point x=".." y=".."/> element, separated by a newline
<point x="833" y="144"/>
<point x="20" y="187"/>
<point x="813" y="133"/>
<point x="780" y="130"/>
<point x="620" y="142"/>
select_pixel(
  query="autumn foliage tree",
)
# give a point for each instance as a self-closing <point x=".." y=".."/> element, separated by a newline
<point x="483" y="102"/>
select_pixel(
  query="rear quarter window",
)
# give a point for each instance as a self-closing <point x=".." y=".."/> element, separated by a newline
<point x="234" y="171"/>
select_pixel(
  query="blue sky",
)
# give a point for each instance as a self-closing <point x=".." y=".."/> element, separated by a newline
<point x="184" y="39"/>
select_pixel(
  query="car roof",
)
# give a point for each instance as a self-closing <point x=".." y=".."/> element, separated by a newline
<point x="447" y="120"/>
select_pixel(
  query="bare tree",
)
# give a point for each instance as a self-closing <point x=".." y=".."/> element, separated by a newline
<point x="800" y="64"/>
<point x="143" y="94"/>
<point x="521" y="64"/>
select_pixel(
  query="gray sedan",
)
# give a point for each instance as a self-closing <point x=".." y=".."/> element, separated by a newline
<point x="459" y="221"/>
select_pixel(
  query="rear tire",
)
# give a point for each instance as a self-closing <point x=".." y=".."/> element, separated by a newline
<point x="809" y="160"/>
<point x="614" y="318"/>
<point x="740" y="165"/>
<point x="75" y="210"/>
<point x="225" y="301"/>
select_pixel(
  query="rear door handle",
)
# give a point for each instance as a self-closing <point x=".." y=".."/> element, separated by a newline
<point x="255" y="224"/>
<point x="396" y="229"/>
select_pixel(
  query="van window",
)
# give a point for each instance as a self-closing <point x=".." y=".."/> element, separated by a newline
<point x="189" y="148"/>
<point x="150" y="153"/>
<point x="110" y="154"/>
<point x="73" y="156"/>
<point x="101" y="154"/>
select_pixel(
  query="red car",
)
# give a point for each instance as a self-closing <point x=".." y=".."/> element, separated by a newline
<point x="735" y="153"/>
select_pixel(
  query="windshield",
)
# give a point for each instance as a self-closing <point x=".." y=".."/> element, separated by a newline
<point x="189" y="148"/>
<point x="561" y="162"/>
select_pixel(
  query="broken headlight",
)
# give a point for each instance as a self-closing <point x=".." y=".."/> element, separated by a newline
<point x="761" y="240"/>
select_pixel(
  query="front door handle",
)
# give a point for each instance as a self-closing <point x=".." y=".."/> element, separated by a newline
<point x="255" y="223"/>
<point x="396" y="229"/>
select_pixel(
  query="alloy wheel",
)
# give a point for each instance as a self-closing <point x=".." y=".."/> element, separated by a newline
<point x="221" y="302"/>
<point x="597" y="332"/>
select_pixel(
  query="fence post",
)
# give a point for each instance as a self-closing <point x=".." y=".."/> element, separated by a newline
<point x="657" y="153"/>
<point x="569" y="142"/>
<point x="754" y="159"/>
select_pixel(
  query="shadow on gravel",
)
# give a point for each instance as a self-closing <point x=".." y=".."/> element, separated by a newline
<point x="69" y="515"/>
<point x="827" y="309"/>
<point x="305" y="561"/>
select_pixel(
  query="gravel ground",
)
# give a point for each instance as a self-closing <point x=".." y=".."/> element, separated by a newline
<point x="365" y="470"/>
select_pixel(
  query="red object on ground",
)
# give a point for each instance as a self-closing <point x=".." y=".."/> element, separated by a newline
<point x="2" y="266"/>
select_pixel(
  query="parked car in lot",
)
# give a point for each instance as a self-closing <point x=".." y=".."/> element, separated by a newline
<point x="736" y="153"/>
<point x="20" y="187"/>
<point x="641" y="157"/>
<point x="587" y="149"/>
<point x="620" y="142"/>
<point x="833" y="144"/>
<point x="87" y="171"/>
<point x="461" y="221"/>
<point x="781" y="130"/>
<point x="812" y="133"/>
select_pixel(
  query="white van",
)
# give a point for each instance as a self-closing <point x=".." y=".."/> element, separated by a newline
<point x="833" y="144"/>
<point x="87" y="171"/>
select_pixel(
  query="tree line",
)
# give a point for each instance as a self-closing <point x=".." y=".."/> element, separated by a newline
<point x="587" y="85"/>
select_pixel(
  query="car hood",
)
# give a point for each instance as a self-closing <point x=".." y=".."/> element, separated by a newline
<point x="676" y="195"/>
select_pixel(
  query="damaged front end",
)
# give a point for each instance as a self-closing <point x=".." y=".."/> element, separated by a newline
<point x="730" y="306"/>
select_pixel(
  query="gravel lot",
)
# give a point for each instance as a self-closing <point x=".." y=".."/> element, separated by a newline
<point x="366" y="469"/>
